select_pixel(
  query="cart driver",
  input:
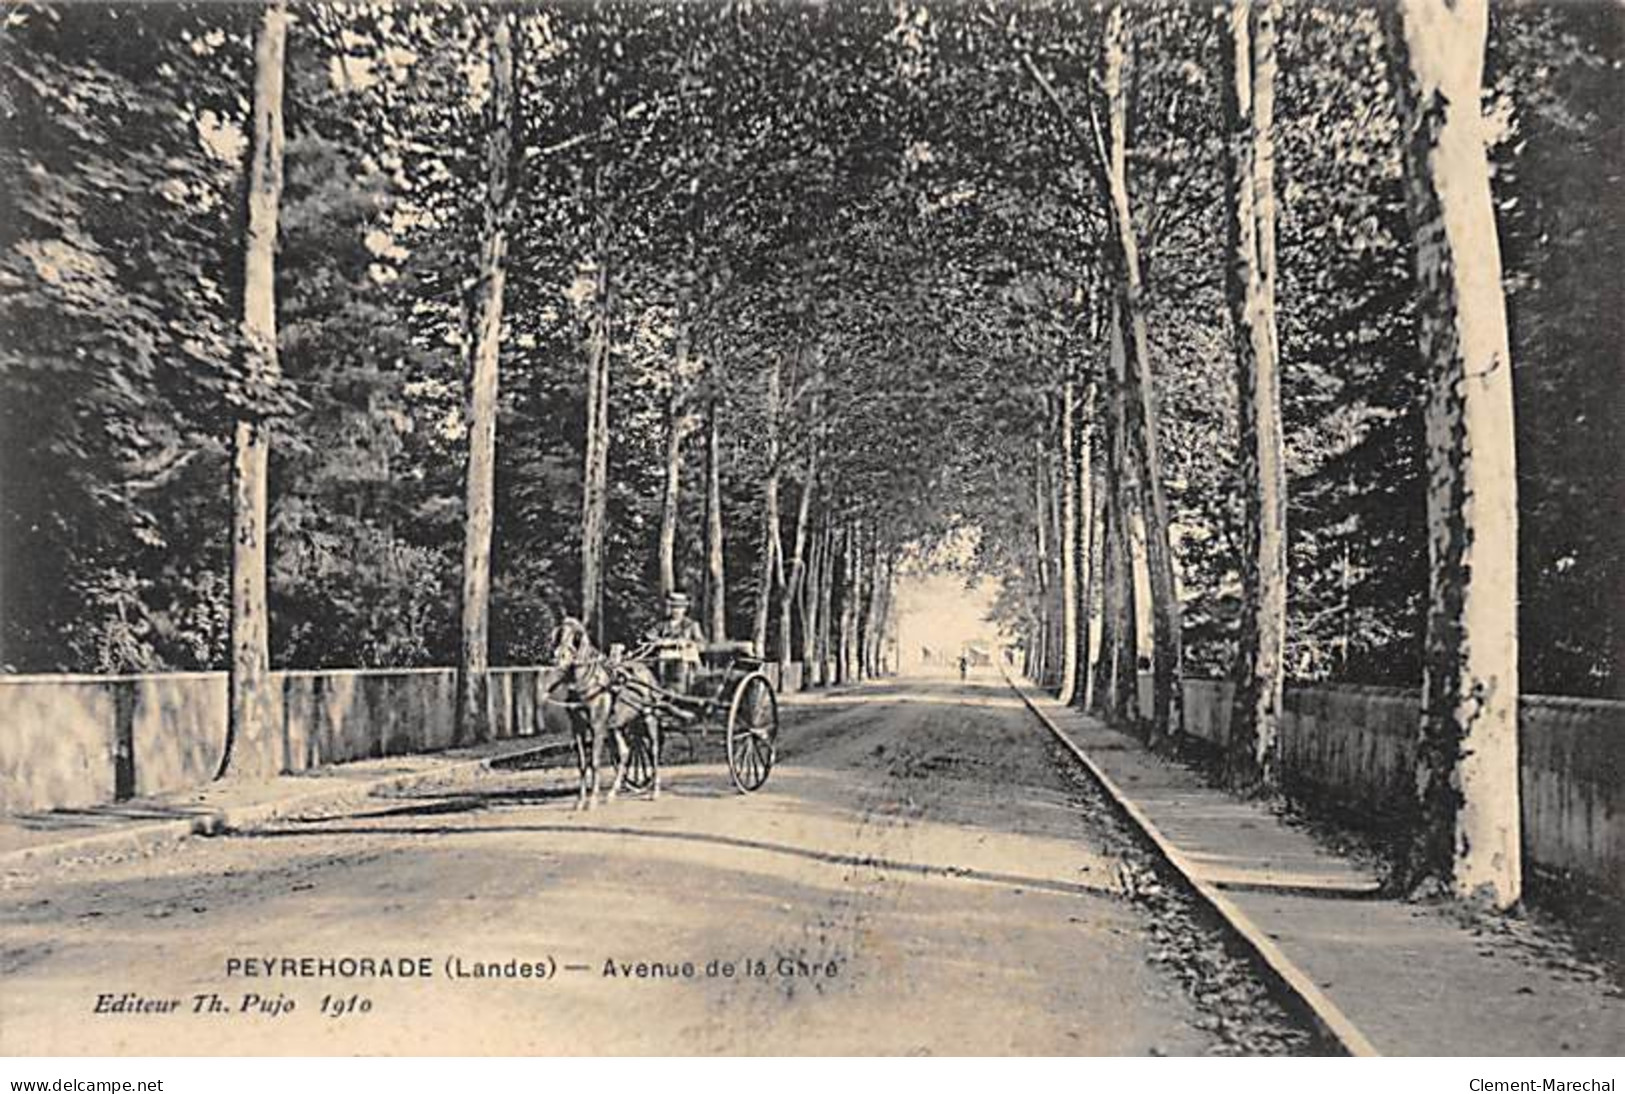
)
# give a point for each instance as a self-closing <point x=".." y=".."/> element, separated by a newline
<point x="677" y="640"/>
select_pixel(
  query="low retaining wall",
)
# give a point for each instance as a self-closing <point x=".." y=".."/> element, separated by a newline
<point x="70" y="742"/>
<point x="1354" y="748"/>
<point x="788" y="676"/>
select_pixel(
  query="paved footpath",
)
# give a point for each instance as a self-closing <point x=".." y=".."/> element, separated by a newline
<point x="140" y="825"/>
<point x="1391" y="977"/>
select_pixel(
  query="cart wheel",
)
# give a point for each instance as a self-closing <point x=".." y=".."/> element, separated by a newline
<point x="753" y="732"/>
<point x="640" y="762"/>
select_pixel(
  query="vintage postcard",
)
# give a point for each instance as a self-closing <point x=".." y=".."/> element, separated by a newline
<point x="772" y="527"/>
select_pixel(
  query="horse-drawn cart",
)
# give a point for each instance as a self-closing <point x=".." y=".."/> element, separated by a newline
<point x="663" y="687"/>
<point x="727" y="694"/>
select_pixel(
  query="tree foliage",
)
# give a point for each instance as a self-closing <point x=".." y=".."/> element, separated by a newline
<point x="884" y="188"/>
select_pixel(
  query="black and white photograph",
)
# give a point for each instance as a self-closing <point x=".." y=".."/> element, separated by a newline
<point x="813" y="528"/>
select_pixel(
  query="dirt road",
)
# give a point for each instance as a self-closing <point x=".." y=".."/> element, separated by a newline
<point x="919" y="876"/>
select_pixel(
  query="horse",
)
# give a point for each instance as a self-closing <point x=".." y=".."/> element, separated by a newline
<point x="599" y="694"/>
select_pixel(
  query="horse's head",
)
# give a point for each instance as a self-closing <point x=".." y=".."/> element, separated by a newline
<point x="571" y="646"/>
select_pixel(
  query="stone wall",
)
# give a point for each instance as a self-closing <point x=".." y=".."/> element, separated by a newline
<point x="789" y="676"/>
<point x="1353" y="749"/>
<point x="57" y="743"/>
<point x="70" y="742"/>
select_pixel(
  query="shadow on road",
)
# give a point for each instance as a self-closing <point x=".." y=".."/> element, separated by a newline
<point x="622" y="832"/>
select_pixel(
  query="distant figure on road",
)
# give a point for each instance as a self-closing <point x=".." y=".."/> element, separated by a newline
<point x="964" y="666"/>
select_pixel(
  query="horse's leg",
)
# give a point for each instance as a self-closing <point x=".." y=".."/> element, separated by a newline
<point x="600" y="718"/>
<point x="651" y="726"/>
<point x="580" y="728"/>
<point x="623" y="753"/>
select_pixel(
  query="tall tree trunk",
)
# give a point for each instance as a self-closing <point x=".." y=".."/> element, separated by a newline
<point x="482" y="346"/>
<point x="1110" y="607"/>
<point x="772" y="563"/>
<point x="250" y="722"/>
<point x="1143" y="404"/>
<point x="871" y="636"/>
<point x="1069" y="537"/>
<point x="1054" y="475"/>
<point x="883" y="584"/>
<point x="790" y="591"/>
<point x="716" y="589"/>
<point x="891" y="654"/>
<point x="886" y="625"/>
<point x="1131" y="604"/>
<point x="840" y="578"/>
<point x="676" y="420"/>
<point x="1467" y="778"/>
<point x="1083" y="507"/>
<point x="854" y="620"/>
<point x="808" y="594"/>
<point x="843" y="671"/>
<point x="826" y="605"/>
<point x="796" y="578"/>
<point x="854" y="645"/>
<point x="671" y="497"/>
<point x="819" y="613"/>
<point x="1124" y="589"/>
<point x="595" y="499"/>
<point x="1259" y="672"/>
<point x="1145" y="597"/>
<point x="875" y="605"/>
<point x="1041" y="544"/>
<point x="1094" y="554"/>
<point x="1112" y="560"/>
<point x="866" y="616"/>
<point x="883" y="581"/>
